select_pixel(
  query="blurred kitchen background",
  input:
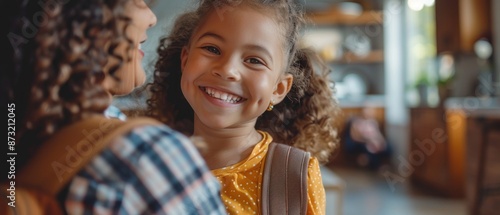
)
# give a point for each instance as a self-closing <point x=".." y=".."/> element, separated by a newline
<point x="419" y="85"/>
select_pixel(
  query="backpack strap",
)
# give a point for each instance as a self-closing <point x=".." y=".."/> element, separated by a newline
<point x="70" y="149"/>
<point x="284" y="183"/>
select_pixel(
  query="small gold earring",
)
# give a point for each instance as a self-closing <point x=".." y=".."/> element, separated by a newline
<point x="271" y="106"/>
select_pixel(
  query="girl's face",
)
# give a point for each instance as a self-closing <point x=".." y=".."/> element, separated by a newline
<point x="233" y="67"/>
<point x="132" y="74"/>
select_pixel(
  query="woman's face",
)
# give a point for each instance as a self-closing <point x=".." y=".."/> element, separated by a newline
<point x="132" y="74"/>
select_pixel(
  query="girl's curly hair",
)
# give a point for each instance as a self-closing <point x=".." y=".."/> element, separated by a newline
<point x="56" y="74"/>
<point x="304" y="119"/>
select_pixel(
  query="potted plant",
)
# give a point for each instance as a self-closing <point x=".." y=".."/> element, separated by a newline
<point x="421" y="84"/>
<point x="446" y="74"/>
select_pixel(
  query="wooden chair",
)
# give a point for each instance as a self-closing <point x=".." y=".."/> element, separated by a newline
<point x="488" y="126"/>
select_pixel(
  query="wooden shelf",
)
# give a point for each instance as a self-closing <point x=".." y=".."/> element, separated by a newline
<point x="335" y="17"/>
<point x="375" y="56"/>
<point x="460" y="23"/>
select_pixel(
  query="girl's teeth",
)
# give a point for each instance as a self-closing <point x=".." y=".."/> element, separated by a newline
<point x="222" y="96"/>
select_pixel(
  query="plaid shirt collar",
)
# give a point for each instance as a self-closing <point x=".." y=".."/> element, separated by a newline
<point x="113" y="112"/>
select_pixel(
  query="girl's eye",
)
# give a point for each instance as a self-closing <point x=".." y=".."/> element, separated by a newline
<point x="212" y="49"/>
<point x="254" y="61"/>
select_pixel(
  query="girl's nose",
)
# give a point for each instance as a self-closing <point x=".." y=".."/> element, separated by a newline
<point x="227" y="71"/>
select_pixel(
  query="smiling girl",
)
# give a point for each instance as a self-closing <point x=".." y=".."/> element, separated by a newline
<point x="231" y="73"/>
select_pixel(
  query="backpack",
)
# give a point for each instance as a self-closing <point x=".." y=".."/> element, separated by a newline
<point x="36" y="186"/>
<point x="284" y="182"/>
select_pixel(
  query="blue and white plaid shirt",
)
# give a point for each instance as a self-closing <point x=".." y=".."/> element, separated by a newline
<point x="150" y="170"/>
<point x="114" y="112"/>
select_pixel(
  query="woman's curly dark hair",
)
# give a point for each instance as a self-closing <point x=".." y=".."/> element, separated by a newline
<point x="56" y="73"/>
<point x="304" y="119"/>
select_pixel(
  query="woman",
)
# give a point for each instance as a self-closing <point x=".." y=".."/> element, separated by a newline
<point x="68" y="59"/>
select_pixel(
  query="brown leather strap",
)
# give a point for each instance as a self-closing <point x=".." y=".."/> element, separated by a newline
<point x="29" y="202"/>
<point x="70" y="149"/>
<point x="284" y="183"/>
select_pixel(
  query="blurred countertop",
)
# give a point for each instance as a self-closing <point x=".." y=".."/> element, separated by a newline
<point x="362" y="101"/>
<point x="475" y="106"/>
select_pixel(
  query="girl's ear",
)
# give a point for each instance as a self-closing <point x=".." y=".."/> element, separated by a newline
<point x="282" y="88"/>
<point x="184" y="57"/>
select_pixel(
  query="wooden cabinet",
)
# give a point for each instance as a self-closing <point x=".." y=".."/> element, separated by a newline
<point x="428" y="156"/>
<point x="460" y="23"/>
<point x="436" y="151"/>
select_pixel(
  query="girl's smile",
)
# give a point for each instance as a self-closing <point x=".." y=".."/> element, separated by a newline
<point x="222" y="96"/>
<point x="233" y="68"/>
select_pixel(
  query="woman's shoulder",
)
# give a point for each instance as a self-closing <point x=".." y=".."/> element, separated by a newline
<point x="155" y="161"/>
<point x="152" y="133"/>
<point x="155" y="141"/>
